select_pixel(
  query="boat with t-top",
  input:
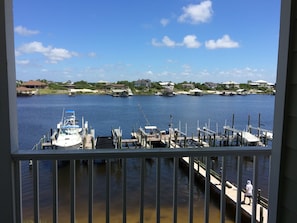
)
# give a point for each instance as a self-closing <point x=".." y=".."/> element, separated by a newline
<point x="69" y="134"/>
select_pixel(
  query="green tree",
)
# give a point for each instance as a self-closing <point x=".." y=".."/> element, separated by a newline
<point x="82" y="84"/>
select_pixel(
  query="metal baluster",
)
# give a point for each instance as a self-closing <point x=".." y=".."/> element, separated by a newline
<point x="55" y="191"/>
<point x="255" y="189"/>
<point x="175" y="169"/>
<point x="124" y="179"/>
<point x="108" y="174"/>
<point x="72" y="190"/>
<point x="223" y="191"/>
<point x="239" y="189"/>
<point x="36" y="189"/>
<point x="18" y="192"/>
<point x="91" y="188"/>
<point x="191" y="182"/>
<point x="158" y="189"/>
<point x="207" y="190"/>
<point x="141" y="210"/>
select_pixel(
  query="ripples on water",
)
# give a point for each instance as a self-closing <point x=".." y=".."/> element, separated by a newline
<point x="36" y="115"/>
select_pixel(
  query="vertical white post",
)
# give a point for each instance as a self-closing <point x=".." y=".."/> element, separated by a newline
<point x="8" y="116"/>
<point x="239" y="189"/>
<point x="207" y="190"/>
<point x="223" y="191"/>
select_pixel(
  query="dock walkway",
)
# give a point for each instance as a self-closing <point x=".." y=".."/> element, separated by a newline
<point x="230" y="192"/>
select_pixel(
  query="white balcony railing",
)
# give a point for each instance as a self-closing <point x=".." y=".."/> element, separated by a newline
<point x="124" y="154"/>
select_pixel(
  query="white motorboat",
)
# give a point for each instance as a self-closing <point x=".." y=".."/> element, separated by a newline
<point x="196" y="92"/>
<point x="69" y="134"/>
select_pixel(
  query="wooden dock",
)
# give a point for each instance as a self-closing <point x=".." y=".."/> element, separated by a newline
<point x="173" y="140"/>
<point x="230" y="192"/>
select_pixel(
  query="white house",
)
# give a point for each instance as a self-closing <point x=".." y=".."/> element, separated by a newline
<point x="230" y="84"/>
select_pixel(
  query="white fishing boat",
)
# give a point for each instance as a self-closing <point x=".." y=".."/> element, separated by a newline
<point x="196" y="92"/>
<point x="69" y="134"/>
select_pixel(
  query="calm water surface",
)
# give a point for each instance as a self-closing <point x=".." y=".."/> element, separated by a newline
<point x="37" y="114"/>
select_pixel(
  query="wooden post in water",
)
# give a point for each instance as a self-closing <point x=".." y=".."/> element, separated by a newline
<point x="175" y="139"/>
<point x="228" y="138"/>
<point x="51" y="137"/>
<point x="259" y="124"/>
<point x="241" y="139"/>
<point x="232" y="122"/>
<point x="249" y="124"/>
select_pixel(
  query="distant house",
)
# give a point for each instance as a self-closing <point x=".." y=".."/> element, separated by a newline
<point x="230" y="84"/>
<point x="188" y="86"/>
<point x="34" y="84"/>
<point x="116" y="86"/>
<point x="261" y="83"/>
<point x="211" y="85"/>
<point x="143" y="83"/>
<point x="68" y="84"/>
<point x="24" y="91"/>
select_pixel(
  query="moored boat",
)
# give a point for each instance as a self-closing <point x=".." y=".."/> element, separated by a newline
<point x="196" y="92"/>
<point x="69" y="134"/>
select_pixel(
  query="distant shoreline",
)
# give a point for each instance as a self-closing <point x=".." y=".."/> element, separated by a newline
<point x="206" y="92"/>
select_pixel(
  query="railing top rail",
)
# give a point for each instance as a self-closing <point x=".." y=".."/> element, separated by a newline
<point x="138" y="153"/>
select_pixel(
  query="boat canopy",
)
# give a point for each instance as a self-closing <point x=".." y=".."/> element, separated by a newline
<point x="150" y="127"/>
<point x="250" y="138"/>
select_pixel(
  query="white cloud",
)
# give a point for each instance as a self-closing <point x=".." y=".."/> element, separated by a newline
<point x="149" y="72"/>
<point x="33" y="47"/>
<point x="92" y="54"/>
<point x="191" y="42"/>
<point x="52" y="54"/>
<point x="22" y="62"/>
<point x="156" y="43"/>
<point x="164" y="22"/>
<point x="166" y="41"/>
<point x="246" y="73"/>
<point x="195" y="14"/>
<point x="23" y="31"/>
<point x="58" y="54"/>
<point x="224" y="42"/>
<point x="186" y="70"/>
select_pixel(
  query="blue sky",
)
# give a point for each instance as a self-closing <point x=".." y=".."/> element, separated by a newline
<point x="160" y="40"/>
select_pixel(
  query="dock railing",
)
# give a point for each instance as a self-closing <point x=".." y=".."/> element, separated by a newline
<point x="124" y="154"/>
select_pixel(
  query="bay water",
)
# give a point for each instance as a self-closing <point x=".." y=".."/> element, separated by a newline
<point x="38" y="114"/>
